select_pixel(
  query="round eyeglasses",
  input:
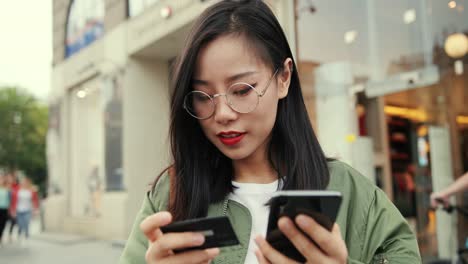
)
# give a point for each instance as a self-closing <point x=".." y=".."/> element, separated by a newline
<point x="241" y="97"/>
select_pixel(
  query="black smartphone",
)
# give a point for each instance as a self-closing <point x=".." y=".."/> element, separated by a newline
<point x="322" y="206"/>
<point x="218" y="231"/>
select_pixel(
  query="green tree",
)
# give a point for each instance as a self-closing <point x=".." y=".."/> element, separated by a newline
<point x="23" y="128"/>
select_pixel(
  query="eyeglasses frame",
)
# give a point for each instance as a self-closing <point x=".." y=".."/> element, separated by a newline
<point x="212" y="97"/>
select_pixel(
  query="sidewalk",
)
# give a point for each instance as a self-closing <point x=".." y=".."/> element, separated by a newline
<point x="50" y="248"/>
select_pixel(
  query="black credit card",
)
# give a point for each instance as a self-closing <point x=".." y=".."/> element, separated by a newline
<point x="218" y="231"/>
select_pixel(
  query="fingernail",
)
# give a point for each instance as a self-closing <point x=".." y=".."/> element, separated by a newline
<point x="302" y="221"/>
<point x="165" y="215"/>
<point x="199" y="239"/>
<point x="213" y="251"/>
<point x="283" y="222"/>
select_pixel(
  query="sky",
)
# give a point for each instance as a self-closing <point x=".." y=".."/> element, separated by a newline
<point x="26" y="45"/>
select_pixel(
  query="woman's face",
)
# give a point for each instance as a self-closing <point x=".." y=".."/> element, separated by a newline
<point x="25" y="183"/>
<point x="221" y="63"/>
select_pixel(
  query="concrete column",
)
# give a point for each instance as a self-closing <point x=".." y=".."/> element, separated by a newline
<point x="336" y="115"/>
<point x="337" y="125"/>
<point x="442" y="171"/>
<point x="146" y="123"/>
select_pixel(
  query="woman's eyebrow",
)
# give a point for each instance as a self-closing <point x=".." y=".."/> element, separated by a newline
<point x="240" y="75"/>
<point x="229" y="79"/>
<point x="200" y="82"/>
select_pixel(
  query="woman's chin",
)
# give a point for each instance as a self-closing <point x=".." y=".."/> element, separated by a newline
<point x="235" y="154"/>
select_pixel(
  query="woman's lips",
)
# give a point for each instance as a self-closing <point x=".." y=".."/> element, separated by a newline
<point x="230" y="138"/>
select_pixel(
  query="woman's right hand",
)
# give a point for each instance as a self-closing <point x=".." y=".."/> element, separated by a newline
<point x="161" y="246"/>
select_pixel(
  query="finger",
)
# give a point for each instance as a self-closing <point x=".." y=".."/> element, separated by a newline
<point x="193" y="256"/>
<point x="303" y="244"/>
<point x="269" y="253"/>
<point x="172" y="241"/>
<point x="340" y="244"/>
<point x="182" y="240"/>
<point x="261" y="259"/>
<point x="330" y="243"/>
<point x="151" y="224"/>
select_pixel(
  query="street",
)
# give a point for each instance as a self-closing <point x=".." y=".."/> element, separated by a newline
<point x="49" y="248"/>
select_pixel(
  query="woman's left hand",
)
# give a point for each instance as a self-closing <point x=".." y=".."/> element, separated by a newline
<point x="331" y="247"/>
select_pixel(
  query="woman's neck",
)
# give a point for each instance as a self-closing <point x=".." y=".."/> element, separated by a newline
<point x="254" y="170"/>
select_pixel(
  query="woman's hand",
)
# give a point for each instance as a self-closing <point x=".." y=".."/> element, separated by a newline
<point x="439" y="198"/>
<point x="331" y="247"/>
<point x="161" y="246"/>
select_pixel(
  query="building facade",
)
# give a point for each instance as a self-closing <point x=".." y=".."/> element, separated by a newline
<point x="109" y="106"/>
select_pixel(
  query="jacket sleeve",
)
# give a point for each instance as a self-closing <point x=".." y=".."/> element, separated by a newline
<point x="137" y="243"/>
<point x="13" y="201"/>
<point x="388" y="237"/>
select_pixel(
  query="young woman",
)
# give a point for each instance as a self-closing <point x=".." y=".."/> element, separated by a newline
<point x="13" y="186"/>
<point x="24" y="203"/>
<point x="239" y="132"/>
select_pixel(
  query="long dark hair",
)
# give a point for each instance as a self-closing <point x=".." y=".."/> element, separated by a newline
<point x="202" y="174"/>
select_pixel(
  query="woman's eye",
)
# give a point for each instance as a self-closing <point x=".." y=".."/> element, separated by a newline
<point x="201" y="98"/>
<point x="242" y="90"/>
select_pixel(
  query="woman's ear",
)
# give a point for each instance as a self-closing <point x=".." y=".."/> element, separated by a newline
<point x="284" y="78"/>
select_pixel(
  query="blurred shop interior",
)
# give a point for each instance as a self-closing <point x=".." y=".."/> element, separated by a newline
<point x="403" y="68"/>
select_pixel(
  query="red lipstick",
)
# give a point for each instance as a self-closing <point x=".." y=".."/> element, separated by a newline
<point x="230" y="138"/>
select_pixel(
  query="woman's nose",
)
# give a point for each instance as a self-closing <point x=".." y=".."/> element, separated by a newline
<point x="223" y="112"/>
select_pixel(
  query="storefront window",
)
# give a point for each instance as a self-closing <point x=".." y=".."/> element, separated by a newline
<point x="113" y="132"/>
<point x="86" y="149"/>
<point x="95" y="142"/>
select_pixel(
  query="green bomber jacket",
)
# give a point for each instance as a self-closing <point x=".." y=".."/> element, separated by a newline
<point x="372" y="227"/>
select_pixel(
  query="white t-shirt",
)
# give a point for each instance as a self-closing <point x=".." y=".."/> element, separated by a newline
<point x="24" y="203"/>
<point x="254" y="196"/>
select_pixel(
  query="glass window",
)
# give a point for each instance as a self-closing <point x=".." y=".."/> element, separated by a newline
<point x="85" y="24"/>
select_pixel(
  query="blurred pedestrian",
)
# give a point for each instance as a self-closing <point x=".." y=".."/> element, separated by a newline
<point x="12" y="185"/>
<point x="24" y="203"/>
<point x="4" y="204"/>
